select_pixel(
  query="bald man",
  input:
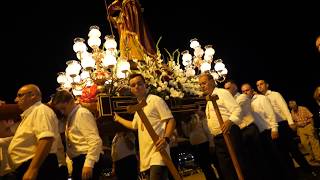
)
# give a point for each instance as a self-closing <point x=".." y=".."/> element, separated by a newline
<point x="34" y="145"/>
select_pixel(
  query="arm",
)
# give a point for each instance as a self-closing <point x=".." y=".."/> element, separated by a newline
<point x="232" y="106"/>
<point x="308" y="114"/>
<point x="207" y="131"/>
<point x="284" y="108"/>
<point x="170" y="126"/>
<point x="124" y="122"/>
<point x="89" y="130"/>
<point x="269" y="113"/>
<point x="42" y="151"/>
<point x="234" y="109"/>
<point x="271" y="117"/>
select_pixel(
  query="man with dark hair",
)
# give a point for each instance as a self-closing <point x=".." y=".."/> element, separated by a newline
<point x="266" y="121"/>
<point x="285" y="142"/>
<point x="249" y="130"/>
<point x="137" y="75"/>
<point x="84" y="144"/>
<point x="162" y="121"/>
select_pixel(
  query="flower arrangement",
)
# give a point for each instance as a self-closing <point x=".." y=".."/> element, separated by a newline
<point x="167" y="79"/>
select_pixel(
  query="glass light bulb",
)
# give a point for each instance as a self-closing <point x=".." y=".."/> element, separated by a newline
<point x="215" y="75"/>
<point x="110" y="42"/>
<point x="123" y="66"/>
<point x="209" y="51"/>
<point x="219" y="66"/>
<point x="198" y="51"/>
<point x="94" y="42"/>
<point x="208" y="57"/>
<point x="224" y="71"/>
<point x="88" y="62"/>
<point x="109" y="60"/>
<point x="77" y="92"/>
<point x="62" y="79"/>
<point x="94" y="31"/>
<point x="186" y="55"/>
<point x="194" y="43"/>
<point x="73" y="68"/>
<point x="77" y="79"/>
<point x="205" y="67"/>
<point x="84" y="75"/>
<point x="79" y="45"/>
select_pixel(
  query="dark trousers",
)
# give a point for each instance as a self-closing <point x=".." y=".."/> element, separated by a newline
<point x="254" y="152"/>
<point x="202" y="154"/>
<point x="157" y="172"/>
<point x="47" y="170"/>
<point x="77" y="165"/>
<point x="224" y="158"/>
<point x="278" y="168"/>
<point x="287" y="145"/>
<point x="174" y="153"/>
<point x="127" y="168"/>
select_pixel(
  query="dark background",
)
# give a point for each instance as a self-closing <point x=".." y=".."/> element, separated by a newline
<point x="261" y="40"/>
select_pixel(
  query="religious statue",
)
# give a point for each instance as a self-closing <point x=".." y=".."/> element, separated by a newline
<point x="135" y="40"/>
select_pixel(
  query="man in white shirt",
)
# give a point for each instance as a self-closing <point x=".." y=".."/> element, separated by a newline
<point x="230" y="111"/>
<point x="285" y="142"/>
<point x="163" y="123"/>
<point x="266" y="121"/>
<point x="34" y="145"/>
<point x="249" y="130"/>
<point x="83" y="142"/>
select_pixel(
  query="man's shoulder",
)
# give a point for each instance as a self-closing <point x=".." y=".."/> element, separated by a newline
<point x="45" y="108"/>
<point x="84" y="110"/>
<point x="153" y="97"/>
<point x="259" y="97"/>
<point x="243" y="96"/>
<point x="303" y="108"/>
<point x="221" y="91"/>
<point x="275" y="93"/>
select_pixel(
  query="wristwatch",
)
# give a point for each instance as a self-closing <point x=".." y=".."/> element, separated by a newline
<point x="167" y="139"/>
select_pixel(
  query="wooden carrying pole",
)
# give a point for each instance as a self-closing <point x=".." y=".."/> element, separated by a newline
<point x="226" y="137"/>
<point x="166" y="158"/>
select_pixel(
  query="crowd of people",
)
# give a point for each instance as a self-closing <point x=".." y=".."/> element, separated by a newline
<point x="60" y="139"/>
<point x="260" y="125"/>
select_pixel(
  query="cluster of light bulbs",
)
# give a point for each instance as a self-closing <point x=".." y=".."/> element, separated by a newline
<point x="98" y="66"/>
<point x="101" y="66"/>
<point x="202" y="60"/>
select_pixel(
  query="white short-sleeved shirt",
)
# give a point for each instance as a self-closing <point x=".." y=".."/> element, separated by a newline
<point x="157" y="112"/>
<point x="229" y="109"/>
<point x="38" y="121"/>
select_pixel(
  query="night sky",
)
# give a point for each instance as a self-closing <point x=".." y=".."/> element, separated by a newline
<point x="262" y="40"/>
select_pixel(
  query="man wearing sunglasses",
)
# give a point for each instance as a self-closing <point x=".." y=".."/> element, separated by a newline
<point x="34" y="145"/>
